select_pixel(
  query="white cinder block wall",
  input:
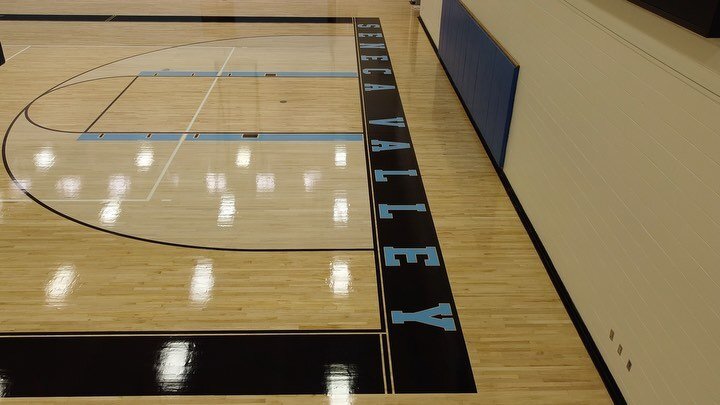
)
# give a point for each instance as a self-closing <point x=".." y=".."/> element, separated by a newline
<point x="614" y="152"/>
<point x="430" y="11"/>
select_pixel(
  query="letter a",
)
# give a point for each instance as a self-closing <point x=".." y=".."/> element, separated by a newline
<point x="390" y="122"/>
<point x="381" y="146"/>
<point x="381" y="175"/>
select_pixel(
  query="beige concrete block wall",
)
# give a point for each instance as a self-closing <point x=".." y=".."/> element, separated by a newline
<point x="430" y="11"/>
<point x="614" y="152"/>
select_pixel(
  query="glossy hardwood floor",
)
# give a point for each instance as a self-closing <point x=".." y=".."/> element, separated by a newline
<point x="522" y="345"/>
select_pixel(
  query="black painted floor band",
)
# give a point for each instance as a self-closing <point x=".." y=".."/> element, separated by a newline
<point x="426" y="344"/>
<point x="205" y="365"/>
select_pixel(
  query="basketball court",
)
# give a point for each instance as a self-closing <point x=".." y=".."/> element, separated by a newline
<point x="255" y="207"/>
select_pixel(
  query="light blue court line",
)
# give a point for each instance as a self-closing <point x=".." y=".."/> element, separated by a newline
<point x="216" y="137"/>
<point x="174" y="73"/>
<point x="243" y="74"/>
<point x="128" y="136"/>
<point x="276" y="137"/>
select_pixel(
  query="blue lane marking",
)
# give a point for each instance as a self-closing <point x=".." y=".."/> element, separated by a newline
<point x="243" y="74"/>
<point x="223" y="137"/>
<point x="174" y="73"/>
<point x="217" y="137"/>
<point x="128" y="136"/>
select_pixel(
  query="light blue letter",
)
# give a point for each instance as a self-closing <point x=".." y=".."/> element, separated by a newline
<point x="381" y="146"/>
<point x="386" y="208"/>
<point x="390" y="122"/>
<point x="427" y="317"/>
<point x="372" y="46"/>
<point x="385" y="71"/>
<point x="411" y="254"/>
<point x="373" y="87"/>
<point x="373" y="57"/>
<point x="381" y="175"/>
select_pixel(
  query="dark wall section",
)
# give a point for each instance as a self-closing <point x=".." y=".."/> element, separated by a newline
<point x="701" y="16"/>
<point x="486" y="77"/>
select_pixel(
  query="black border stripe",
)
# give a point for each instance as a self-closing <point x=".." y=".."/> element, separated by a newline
<point x="425" y="339"/>
<point x="173" y="18"/>
<point x="610" y="384"/>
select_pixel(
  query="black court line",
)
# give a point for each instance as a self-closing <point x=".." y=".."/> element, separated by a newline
<point x="159" y="242"/>
<point x="182" y="245"/>
<point x="60" y="87"/>
<point x="173" y="19"/>
<point x="590" y="346"/>
<point x="111" y="104"/>
<point x="29" y="119"/>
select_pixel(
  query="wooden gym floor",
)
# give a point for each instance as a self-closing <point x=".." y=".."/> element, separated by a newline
<point x="194" y="210"/>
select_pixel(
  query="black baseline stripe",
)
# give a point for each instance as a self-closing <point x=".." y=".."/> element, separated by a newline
<point x="207" y="365"/>
<point x="603" y="370"/>
<point x="426" y="345"/>
<point x="196" y="332"/>
<point x="173" y="18"/>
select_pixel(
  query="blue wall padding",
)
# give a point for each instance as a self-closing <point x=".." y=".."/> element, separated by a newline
<point x="485" y="76"/>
